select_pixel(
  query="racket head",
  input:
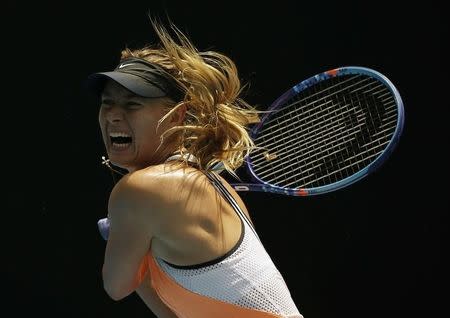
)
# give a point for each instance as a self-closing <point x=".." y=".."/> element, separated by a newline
<point x="374" y="96"/>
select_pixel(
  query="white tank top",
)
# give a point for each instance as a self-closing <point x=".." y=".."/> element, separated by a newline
<point x="245" y="276"/>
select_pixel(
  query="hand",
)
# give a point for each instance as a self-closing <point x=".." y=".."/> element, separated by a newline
<point x="103" y="227"/>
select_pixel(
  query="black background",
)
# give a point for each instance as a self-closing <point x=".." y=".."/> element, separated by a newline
<point x="375" y="249"/>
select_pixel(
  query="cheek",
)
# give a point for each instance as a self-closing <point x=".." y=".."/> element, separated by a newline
<point x="144" y="125"/>
<point x="101" y="122"/>
<point x="145" y="133"/>
<point x="101" y="117"/>
<point x="146" y="136"/>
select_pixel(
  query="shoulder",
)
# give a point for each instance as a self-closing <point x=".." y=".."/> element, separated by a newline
<point x="156" y="194"/>
<point x="133" y="190"/>
<point x="135" y="201"/>
<point x="152" y="181"/>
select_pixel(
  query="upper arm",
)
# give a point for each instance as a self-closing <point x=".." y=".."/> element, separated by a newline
<point x="133" y="211"/>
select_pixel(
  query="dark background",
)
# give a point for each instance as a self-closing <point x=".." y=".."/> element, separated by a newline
<point x="375" y="249"/>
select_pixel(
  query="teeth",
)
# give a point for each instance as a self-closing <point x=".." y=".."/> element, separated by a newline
<point x="118" y="134"/>
<point x="120" y="145"/>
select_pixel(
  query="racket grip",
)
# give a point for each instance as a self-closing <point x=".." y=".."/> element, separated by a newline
<point x="103" y="227"/>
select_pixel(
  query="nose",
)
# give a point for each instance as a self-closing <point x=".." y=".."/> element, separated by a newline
<point x="114" y="114"/>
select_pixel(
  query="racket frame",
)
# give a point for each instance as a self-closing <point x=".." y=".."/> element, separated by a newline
<point x="262" y="186"/>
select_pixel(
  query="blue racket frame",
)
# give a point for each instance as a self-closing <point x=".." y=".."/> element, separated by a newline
<point x="262" y="186"/>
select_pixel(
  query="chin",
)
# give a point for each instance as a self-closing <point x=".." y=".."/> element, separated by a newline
<point x="119" y="164"/>
<point x="121" y="161"/>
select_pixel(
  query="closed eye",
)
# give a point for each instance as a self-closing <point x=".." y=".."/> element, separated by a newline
<point x="107" y="103"/>
<point x="133" y="105"/>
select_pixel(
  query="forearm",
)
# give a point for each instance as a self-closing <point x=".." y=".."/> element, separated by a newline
<point x="145" y="291"/>
<point x="148" y="294"/>
<point x="118" y="286"/>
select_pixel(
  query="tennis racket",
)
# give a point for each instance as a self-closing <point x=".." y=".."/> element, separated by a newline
<point x="325" y="133"/>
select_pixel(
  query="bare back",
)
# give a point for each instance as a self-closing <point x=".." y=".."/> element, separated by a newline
<point x="204" y="225"/>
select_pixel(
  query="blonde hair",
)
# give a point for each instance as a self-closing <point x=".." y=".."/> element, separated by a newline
<point x="215" y="129"/>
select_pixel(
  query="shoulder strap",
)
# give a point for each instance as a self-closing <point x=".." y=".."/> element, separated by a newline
<point x="217" y="183"/>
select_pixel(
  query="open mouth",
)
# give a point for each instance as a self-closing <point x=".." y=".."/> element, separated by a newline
<point x="120" y="140"/>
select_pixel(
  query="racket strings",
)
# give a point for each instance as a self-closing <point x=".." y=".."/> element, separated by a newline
<point x="310" y="95"/>
<point x="319" y="161"/>
<point x="310" y="138"/>
<point x="328" y="129"/>
<point x="316" y="142"/>
<point x="314" y="107"/>
<point x="314" y="164"/>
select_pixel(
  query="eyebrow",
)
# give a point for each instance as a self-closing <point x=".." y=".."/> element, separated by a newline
<point x="127" y="96"/>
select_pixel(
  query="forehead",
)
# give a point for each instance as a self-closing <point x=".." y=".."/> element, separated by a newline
<point x="115" y="90"/>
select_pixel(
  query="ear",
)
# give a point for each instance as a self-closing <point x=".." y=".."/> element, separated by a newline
<point x="178" y="116"/>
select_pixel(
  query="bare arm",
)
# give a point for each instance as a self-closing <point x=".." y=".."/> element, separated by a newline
<point x="133" y="210"/>
<point x="125" y="243"/>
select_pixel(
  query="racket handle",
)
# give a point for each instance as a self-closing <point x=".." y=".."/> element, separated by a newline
<point x="103" y="227"/>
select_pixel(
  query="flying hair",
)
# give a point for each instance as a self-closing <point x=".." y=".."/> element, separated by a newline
<point x="215" y="129"/>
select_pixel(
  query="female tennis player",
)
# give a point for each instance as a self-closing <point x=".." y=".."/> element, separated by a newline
<point x="177" y="233"/>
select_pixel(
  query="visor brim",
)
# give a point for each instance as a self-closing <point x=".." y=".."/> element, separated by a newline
<point x="135" y="84"/>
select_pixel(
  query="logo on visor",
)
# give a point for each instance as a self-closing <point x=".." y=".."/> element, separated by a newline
<point x="123" y="65"/>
